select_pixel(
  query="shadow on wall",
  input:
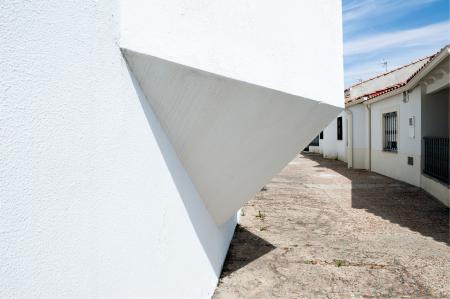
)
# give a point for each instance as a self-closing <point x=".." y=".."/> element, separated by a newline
<point x="393" y="200"/>
<point x="214" y="240"/>
<point x="251" y="247"/>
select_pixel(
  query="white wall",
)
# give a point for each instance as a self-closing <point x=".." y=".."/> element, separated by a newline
<point x="360" y="136"/>
<point x="436" y="188"/>
<point x="395" y="164"/>
<point x="94" y="202"/>
<point x="269" y="43"/>
<point x="254" y="130"/>
<point x="435" y="123"/>
<point x="315" y="149"/>
<point x="226" y="82"/>
<point x="435" y="110"/>
<point x="332" y="147"/>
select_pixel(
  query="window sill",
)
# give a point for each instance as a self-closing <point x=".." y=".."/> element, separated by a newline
<point x="390" y="151"/>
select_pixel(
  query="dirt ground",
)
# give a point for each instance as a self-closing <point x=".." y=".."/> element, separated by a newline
<point x="321" y="230"/>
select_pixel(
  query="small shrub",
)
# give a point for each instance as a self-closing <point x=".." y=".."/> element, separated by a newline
<point x="339" y="263"/>
<point x="260" y="215"/>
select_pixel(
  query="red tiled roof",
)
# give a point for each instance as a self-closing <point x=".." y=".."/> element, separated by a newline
<point x="391" y="71"/>
<point x="380" y="92"/>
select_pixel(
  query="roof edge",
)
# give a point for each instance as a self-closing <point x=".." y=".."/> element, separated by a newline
<point x="409" y="83"/>
<point x="391" y="71"/>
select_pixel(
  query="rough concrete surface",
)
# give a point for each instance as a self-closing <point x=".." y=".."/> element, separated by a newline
<point x="321" y="230"/>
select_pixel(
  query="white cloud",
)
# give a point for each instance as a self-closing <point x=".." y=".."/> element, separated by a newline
<point x="355" y="10"/>
<point x="360" y="9"/>
<point x="435" y="33"/>
<point x="366" y="47"/>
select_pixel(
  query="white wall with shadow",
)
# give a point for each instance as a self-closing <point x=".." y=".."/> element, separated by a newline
<point x="191" y="248"/>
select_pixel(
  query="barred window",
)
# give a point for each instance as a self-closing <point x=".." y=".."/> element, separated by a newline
<point x="390" y="132"/>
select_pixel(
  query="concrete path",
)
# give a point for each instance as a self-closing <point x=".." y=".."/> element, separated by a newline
<point x="320" y="230"/>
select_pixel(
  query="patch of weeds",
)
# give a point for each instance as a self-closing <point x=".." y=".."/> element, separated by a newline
<point x="263" y="228"/>
<point x="263" y="189"/>
<point x="310" y="262"/>
<point x="242" y="212"/>
<point x="339" y="263"/>
<point x="260" y="215"/>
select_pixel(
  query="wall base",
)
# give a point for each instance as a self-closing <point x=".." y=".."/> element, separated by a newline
<point x="439" y="190"/>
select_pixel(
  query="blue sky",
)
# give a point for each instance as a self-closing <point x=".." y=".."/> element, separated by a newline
<point x="398" y="31"/>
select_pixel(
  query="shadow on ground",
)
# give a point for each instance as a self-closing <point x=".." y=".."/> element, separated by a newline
<point x="250" y="247"/>
<point x="395" y="201"/>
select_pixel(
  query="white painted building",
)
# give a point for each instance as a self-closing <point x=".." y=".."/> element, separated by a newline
<point x="332" y="141"/>
<point x="131" y="133"/>
<point x="398" y="124"/>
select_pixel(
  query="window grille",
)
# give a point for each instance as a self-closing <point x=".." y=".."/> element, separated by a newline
<point x="437" y="158"/>
<point x="390" y="132"/>
<point x="339" y="128"/>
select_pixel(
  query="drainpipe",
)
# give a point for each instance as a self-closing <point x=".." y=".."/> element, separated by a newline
<point x="369" y="126"/>
<point x="349" y="138"/>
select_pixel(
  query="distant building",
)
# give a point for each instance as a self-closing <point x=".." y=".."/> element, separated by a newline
<point x="332" y="141"/>
<point x="397" y="124"/>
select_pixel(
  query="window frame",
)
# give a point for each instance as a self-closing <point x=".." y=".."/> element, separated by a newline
<point x="388" y="138"/>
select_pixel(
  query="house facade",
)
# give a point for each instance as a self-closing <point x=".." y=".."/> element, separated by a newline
<point x="397" y="124"/>
<point x="333" y="139"/>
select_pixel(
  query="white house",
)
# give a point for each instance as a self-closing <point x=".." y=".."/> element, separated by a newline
<point x="398" y="124"/>
<point x="332" y="141"/>
<point x="132" y="132"/>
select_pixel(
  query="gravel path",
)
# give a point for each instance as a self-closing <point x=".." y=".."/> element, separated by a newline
<point x="321" y="230"/>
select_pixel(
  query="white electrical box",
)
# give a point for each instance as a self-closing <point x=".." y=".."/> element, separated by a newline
<point x="412" y="127"/>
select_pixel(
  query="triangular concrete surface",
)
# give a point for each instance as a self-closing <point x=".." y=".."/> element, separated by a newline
<point x="231" y="136"/>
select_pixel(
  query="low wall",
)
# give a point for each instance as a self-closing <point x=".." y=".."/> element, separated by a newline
<point x="437" y="189"/>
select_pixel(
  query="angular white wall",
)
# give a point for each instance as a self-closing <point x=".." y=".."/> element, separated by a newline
<point x="231" y="136"/>
<point x="93" y="200"/>
<point x="96" y="200"/>
<point x="238" y="94"/>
